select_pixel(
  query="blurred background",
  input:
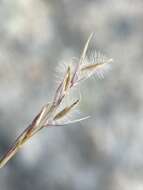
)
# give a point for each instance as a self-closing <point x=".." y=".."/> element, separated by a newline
<point x="102" y="153"/>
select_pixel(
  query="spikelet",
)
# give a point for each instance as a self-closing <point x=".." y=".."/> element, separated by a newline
<point x="95" y="64"/>
<point x="65" y="111"/>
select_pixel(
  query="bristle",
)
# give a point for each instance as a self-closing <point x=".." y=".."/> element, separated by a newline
<point x="58" y="124"/>
<point x="60" y="71"/>
<point x="103" y="68"/>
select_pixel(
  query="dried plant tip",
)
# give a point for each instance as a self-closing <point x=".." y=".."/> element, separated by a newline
<point x="49" y="115"/>
<point x="65" y="111"/>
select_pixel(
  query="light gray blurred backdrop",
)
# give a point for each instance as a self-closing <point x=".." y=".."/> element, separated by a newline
<point x="102" y="153"/>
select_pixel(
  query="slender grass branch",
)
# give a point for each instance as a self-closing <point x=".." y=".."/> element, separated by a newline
<point x="52" y="115"/>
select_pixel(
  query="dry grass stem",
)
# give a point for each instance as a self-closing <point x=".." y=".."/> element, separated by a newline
<point x="51" y="114"/>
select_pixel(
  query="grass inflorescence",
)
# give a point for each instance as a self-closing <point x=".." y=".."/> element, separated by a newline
<point x="52" y="114"/>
